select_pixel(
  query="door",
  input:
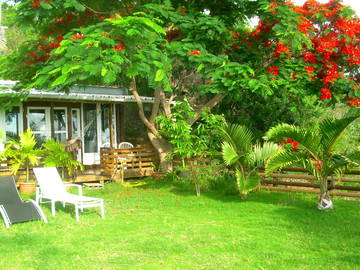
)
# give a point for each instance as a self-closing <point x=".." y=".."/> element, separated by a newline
<point x="90" y="134"/>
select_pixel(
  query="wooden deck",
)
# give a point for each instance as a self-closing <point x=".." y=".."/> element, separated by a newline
<point x="116" y="165"/>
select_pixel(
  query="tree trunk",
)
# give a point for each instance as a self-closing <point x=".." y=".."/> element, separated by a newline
<point x="163" y="148"/>
<point x="325" y="202"/>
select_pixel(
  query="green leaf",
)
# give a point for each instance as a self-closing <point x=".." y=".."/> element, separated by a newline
<point x="110" y="77"/>
<point x="200" y="67"/>
<point x="59" y="80"/>
<point x="160" y="74"/>
<point x="55" y="70"/>
<point x="45" y="5"/>
<point x="104" y="70"/>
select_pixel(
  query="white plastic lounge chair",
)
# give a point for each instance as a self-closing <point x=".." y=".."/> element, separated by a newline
<point x="51" y="187"/>
<point x="126" y="145"/>
<point x="12" y="208"/>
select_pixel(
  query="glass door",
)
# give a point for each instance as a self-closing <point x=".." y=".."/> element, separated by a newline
<point x="60" y="124"/>
<point x="75" y="122"/>
<point x="90" y="132"/>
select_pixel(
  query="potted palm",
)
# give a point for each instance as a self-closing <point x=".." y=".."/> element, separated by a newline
<point x="23" y="154"/>
<point x="55" y="155"/>
<point x="316" y="152"/>
<point x="240" y="152"/>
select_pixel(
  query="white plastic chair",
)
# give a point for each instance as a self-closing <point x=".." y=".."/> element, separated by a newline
<point x="51" y="187"/>
<point x="125" y="145"/>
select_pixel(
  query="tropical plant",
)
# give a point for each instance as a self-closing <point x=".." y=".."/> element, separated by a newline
<point x="56" y="156"/>
<point x="22" y="153"/>
<point x="240" y="152"/>
<point x="314" y="151"/>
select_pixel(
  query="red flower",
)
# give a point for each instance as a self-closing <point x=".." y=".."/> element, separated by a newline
<point x="305" y="26"/>
<point x="54" y="45"/>
<point x="293" y="143"/>
<point x="273" y="70"/>
<point x="309" y="57"/>
<point x="325" y="94"/>
<point x="32" y="54"/>
<point x="183" y="11"/>
<point x="354" y="102"/>
<point x="310" y="70"/>
<point x="59" y="38"/>
<point x="197" y="52"/>
<point x="77" y="36"/>
<point x="235" y="35"/>
<point x="36" y="3"/>
<point x="280" y="48"/>
<point x="120" y="47"/>
<point x="273" y="6"/>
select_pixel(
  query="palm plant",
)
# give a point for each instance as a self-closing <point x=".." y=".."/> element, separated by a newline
<point x="56" y="156"/>
<point x="241" y="153"/>
<point x="316" y="154"/>
<point x="22" y="153"/>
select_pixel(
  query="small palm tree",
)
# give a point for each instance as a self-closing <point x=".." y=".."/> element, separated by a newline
<point x="22" y="153"/>
<point x="240" y="152"/>
<point x="316" y="154"/>
<point x="56" y="156"/>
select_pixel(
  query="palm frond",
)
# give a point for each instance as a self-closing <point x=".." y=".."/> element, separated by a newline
<point x="285" y="158"/>
<point x="247" y="184"/>
<point x="229" y="154"/>
<point x="240" y="137"/>
<point x="261" y="153"/>
<point x="331" y="129"/>
<point x="307" y="138"/>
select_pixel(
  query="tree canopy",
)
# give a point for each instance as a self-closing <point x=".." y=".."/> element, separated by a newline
<point x="202" y="50"/>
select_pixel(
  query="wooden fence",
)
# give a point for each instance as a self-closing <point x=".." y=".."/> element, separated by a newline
<point x="128" y="162"/>
<point x="296" y="179"/>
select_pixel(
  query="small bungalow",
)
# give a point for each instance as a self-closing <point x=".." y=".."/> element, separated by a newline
<point x="98" y="116"/>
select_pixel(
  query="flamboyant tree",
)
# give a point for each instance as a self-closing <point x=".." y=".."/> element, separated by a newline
<point x="191" y="49"/>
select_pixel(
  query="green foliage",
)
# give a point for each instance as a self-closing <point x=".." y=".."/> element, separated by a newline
<point x="56" y="156"/>
<point x="241" y="153"/>
<point x="22" y="153"/>
<point x="189" y="139"/>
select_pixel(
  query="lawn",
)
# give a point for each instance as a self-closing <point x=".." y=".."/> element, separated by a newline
<point x="160" y="226"/>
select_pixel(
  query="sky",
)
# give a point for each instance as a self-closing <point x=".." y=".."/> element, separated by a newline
<point x="354" y="4"/>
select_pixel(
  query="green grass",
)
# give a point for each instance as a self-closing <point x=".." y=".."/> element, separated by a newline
<point x="160" y="226"/>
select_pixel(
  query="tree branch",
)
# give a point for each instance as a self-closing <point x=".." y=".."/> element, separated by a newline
<point x="155" y="107"/>
<point x="166" y="104"/>
<point x="140" y="104"/>
<point x="210" y="104"/>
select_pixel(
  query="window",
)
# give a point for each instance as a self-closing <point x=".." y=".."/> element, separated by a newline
<point x="60" y="124"/>
<point x="39" y="122"/>
<point x="12" y="123"/>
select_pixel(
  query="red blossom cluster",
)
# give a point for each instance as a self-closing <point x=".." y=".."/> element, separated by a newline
<point x="280" y="48"/>
<point x="120" y="47"/>
<point x="36" y="3"/>
<point x="325" y="93"/>
<point x="77" y="36"/>
<point x="335" y="41"/>
<point x="170" y="35"/>
<point x="292" y="142"/>
<point x="273" y="70"/>
<point x="197" y="52"/>
<point x="354" y="102"/>
<point x="310" y="70"/>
